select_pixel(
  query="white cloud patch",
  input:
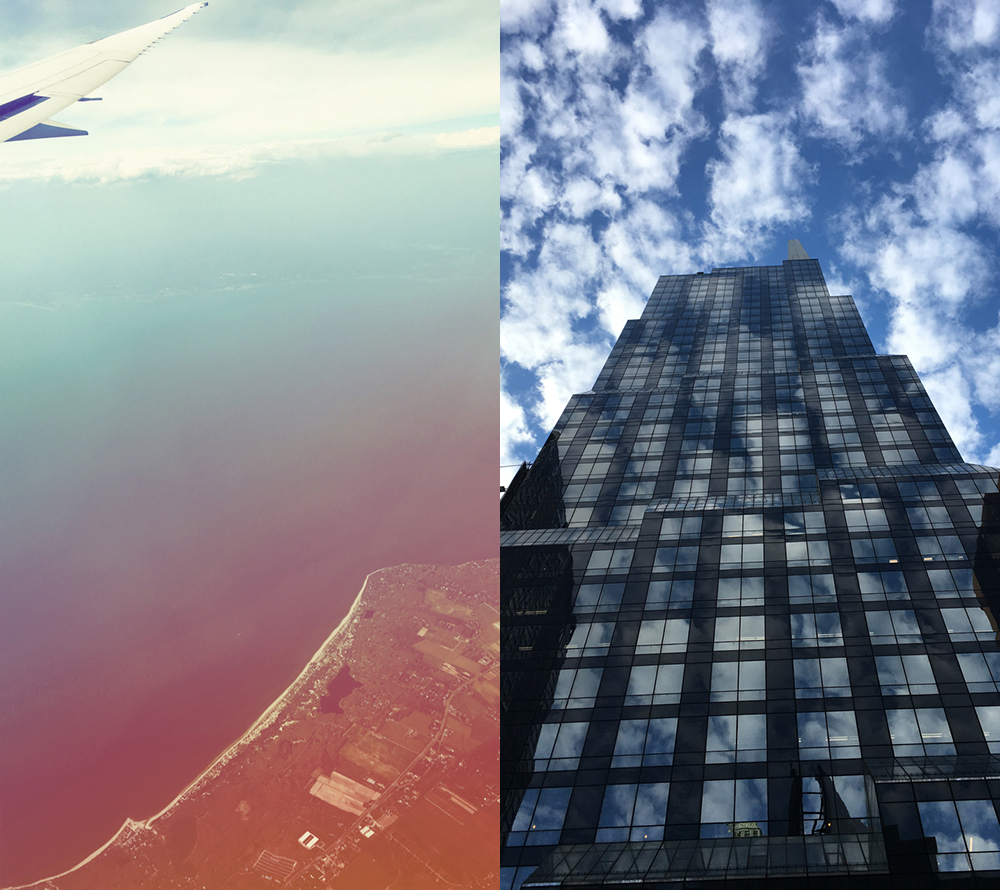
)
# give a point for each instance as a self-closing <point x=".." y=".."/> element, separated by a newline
<point x="979" y="90"/>
<point x="950" y="391"/>
<point x="759" y="183"/>
<point x="514" y="432"/>
<point x="877" y="12"/>
<point x="846" y="93"/>
<point x="210" y="100"/>
<point x="238" y="161"/>
<point x="610" y="124"/>
<point x="965" y="24"/>
<point x="739" y="32"/>
<point x="525" y="16"/>
<point x="915" y="249"/>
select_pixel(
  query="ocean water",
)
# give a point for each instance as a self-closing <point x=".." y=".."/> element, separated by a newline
<point x="192" y="490"/>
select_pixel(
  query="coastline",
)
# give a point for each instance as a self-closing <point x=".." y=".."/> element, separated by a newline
<point x="262" y="722"/>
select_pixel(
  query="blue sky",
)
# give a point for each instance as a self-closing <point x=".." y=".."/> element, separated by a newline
<point x="642" y="139"/>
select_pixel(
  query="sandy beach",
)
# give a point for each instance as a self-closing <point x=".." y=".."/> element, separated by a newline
<point x="266" y="719"/>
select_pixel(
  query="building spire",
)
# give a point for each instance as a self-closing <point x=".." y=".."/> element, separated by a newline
<point x="796" y="251"/>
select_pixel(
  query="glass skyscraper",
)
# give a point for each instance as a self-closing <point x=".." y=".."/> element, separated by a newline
<point x="749" y="598"/>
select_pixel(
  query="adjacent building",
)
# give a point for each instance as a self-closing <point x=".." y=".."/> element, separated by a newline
<point x="749" y="591"/>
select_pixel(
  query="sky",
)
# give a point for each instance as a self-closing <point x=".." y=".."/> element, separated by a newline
<point x="248" y="345"/>
<point x="641" y="139"/>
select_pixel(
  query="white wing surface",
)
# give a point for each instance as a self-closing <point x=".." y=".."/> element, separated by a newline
<point x="31" y="96"/>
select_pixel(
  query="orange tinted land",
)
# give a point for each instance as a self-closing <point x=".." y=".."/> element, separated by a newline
<point x="416" y="751"/>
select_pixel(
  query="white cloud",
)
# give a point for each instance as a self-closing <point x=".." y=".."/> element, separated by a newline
<point x="209" y="102"/>
<point x="621" y="9"/>
<point x="950" y="392"/>
<point x="617" y="304"/>
<point x="947" y="125"/>
<point x="671" y="48"/>
<point x="525" y="16"/>
<point x="102" y="167"/>
<point x="593" y="148"/>
<point x="759" y="183"/>
<point x="965" y="24"/>
<point x="739" y="31"/>
<point x="846" y="94"/>
<point x="580" y="29"/>
<point x="915" y="249"/>
<point x="979" y="89"/>
<point x="875" y="11"/>
<point x="514" y="432"/>
<point x="984" y="368"/>
<point x="945" y="190"/>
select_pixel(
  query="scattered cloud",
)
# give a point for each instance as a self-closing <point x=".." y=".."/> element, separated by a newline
<point x="740" y="36"/>
<point x="877" y="12"/>
<point x="846" y="93"/>
<point x="965" y="24"/>
<point x="180" y="108"/>
<point x="760" y="183"/>
<point x="238" y="161"/>
<point x="639" y="141"/>
<point x="514" y="432"/>
<point x="592" y="130"/>
<point x="914" y="248"/>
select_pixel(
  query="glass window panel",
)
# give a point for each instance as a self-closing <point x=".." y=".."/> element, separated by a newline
<point x="655" y="684"/>
<point x="934" y="729"/>
<point x="718" y="804"/>
<point x="660" y="737"/>
<point x="720" y="744"/>
<point x="599" y="561"/>
<point x="546" y="739"/>
<point x="676" y="593"/>
<point x="675" y="634"/>
<point x="751" y="737"/>
<point x="939" y="819"/>
<point x="989" y="719"/>
<point x="630" y="742"/>
<point x="836" y="681"/>
<point x="919" y="675"/>
<point x="981" y="670"/>
<point x="549" y="814"/>
<point x="616" y="813"/>
<point x="725" y="680"/>
<point x="522" y="821"/>
<point x="650" y="811"/>
<point x="820" y="629"/>
<point x="808" y="679"/>
<point x="641" y="681"/>
<point x="752" y="680"/>
<point x="568" y="746"/>
<point x="650" y="636"/>
<point x="904" y="622"/>
<point x="827" y="735"/>
<point x="979" y="825"/>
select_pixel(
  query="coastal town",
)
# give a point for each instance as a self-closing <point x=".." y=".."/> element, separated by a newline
<point x="378" y="764"/>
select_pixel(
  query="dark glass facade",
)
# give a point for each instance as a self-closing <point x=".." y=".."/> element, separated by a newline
<point x="748" y="602"/>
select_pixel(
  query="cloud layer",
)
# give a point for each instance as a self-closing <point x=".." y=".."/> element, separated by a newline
<point x="240" y="85"/>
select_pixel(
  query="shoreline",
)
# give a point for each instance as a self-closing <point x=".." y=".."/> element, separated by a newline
<point x="260" y="723"/>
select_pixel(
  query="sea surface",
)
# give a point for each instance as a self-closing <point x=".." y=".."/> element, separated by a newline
<point x="192" y="490"/>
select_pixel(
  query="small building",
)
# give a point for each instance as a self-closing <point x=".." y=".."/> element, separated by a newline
<point x="308" y="840"/>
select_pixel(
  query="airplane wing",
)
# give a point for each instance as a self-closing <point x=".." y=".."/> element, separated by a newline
<point x="31" y="96"/>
